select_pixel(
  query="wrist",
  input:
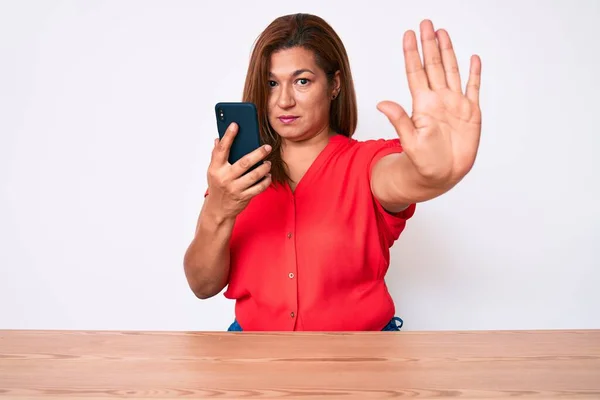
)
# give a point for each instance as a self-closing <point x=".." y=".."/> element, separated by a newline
<point x="216" y="217"/>
<point x="411" y="186"/>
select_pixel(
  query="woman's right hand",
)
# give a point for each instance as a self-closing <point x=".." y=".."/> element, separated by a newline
<point x="229" y="189"/>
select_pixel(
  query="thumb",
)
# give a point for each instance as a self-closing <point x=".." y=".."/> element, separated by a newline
<point x="399" y="118"/>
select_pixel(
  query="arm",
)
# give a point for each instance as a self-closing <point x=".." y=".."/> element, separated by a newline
<point x="206" y="261"/>
<point x="396" y="183"/>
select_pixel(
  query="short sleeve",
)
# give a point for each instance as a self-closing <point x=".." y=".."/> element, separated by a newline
<point x="392" y="224"/>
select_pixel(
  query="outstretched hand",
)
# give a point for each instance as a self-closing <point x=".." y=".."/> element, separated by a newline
<point x="441" y="137"/>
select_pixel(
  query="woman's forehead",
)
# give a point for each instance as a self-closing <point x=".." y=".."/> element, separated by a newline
<point x="294" y="61"/>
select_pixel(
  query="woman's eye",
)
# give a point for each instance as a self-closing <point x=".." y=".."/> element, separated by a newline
<point x="303" y="81"/>
<point x="272" y="83"/>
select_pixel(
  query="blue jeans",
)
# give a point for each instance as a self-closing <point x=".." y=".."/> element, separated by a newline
<point x="394" y="325"/>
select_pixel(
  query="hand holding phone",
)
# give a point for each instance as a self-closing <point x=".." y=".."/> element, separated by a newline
<point x="236" y="175"/>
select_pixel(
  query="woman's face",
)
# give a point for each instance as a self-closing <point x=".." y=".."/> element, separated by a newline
<point x="300" y="95"/>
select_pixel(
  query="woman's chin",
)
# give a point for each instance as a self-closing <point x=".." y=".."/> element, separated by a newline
<point x="289" y="132"/>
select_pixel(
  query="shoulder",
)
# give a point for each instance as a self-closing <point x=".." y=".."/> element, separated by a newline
<point x="366" y="146"/>
<point x="366" y="152"/>
<point x="357" y="158"/>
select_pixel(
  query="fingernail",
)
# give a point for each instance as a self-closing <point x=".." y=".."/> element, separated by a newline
<point x="268" y="162"/>
<point x="268" y="148"/>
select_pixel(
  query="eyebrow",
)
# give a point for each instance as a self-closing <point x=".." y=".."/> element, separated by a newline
<point x="297" y="72"/>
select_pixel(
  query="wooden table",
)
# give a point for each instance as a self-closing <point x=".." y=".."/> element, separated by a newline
<point x="244" y="365"/>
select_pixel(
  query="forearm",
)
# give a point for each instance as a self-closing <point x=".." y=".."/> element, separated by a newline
<point x="207" y="258"/>
<point x="397" y="184"/>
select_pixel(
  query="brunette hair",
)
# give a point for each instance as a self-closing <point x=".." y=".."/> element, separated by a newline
<point x="314" y="34"/>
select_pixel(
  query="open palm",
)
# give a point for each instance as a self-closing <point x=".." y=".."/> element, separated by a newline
<point x="441" y="137"/>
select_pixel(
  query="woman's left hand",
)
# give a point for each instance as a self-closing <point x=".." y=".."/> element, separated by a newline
<point x="441" y="137"/>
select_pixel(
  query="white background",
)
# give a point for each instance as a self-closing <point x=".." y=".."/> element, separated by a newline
<point x="106" y="126"/>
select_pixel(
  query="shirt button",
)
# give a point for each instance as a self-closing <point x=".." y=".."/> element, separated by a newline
<point x="292" y="314"/>
<point x="289" y="235"/>
<point x="291" y="275"/>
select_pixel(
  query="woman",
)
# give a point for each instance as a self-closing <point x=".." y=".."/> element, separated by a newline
<point x="307" y="247"/>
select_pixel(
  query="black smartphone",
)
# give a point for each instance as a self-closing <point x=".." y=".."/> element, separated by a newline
<point x="245" y="116"/>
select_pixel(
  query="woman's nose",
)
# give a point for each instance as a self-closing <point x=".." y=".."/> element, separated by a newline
<point x="286" y="98"/>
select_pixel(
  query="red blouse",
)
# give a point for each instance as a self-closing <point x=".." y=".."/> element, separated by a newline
<point x="316" y="258"/>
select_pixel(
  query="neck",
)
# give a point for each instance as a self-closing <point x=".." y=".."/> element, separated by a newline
<point x="292" y="151"/>
<point x="299" y="155"/>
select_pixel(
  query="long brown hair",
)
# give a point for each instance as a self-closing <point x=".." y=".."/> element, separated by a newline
<point x="314" y="34"/>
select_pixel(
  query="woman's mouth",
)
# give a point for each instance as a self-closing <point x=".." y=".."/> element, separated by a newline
<point x="288" y="119"/>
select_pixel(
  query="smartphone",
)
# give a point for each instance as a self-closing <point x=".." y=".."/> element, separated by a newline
<point x="247" y="139"/>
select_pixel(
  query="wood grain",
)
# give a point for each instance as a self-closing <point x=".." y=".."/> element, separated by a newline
<point x="244" y="365"/>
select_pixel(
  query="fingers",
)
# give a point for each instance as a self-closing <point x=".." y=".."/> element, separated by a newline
<point x="249" y="160"/>
<point x="449" y="61"/>
<point x="474" y="82"/>
<point x="252" y="177"/>
<point x="258" y="188"/>
<point x="432" y="57"/>
<point x="417" y="78"/>
<point x="400" y="120"/>
<point x="220" y="153"/>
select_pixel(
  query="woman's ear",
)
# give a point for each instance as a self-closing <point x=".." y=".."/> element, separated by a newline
<point x="336" y="84"/>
